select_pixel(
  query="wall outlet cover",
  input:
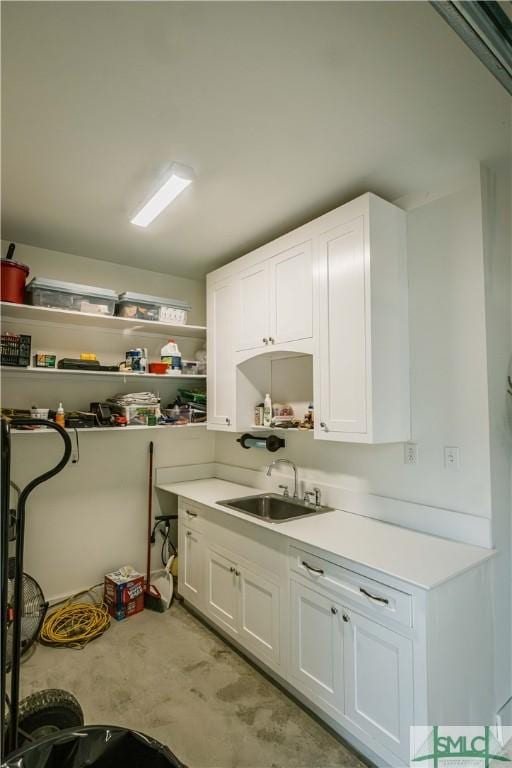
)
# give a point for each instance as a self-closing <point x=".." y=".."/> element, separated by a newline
<point x="410" y="453"/>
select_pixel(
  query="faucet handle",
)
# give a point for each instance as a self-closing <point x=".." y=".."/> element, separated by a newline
<point x="285" y="490"/>
<point x="316" y="493"/>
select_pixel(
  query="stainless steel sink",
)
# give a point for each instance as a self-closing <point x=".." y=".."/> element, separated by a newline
<point x="274" y="508"/>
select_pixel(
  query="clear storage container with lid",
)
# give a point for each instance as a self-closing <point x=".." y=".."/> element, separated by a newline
<point x="143" y="307"/>
<point x="42" y="292"/>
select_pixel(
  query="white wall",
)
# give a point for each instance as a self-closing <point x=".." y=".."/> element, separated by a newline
<point x="91" y="518"/>
<point x="449" y="405"/>
<point x="496" y="199"/>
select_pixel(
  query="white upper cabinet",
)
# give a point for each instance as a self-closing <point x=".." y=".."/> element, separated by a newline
<point x="362" y="350"/>
<point x="254" y="300"/>
<point x="221" y="305"/>
<point x="291" y="295"/>
<point x="335" y="289"/>
<point x="276" y="299"/>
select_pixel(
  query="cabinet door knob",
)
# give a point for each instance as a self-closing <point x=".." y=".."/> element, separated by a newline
<point x="323" y="424"/>
<point x="228" y="421"/>
<point x="334" y="610"/>
<point x="189" y="533"/>
<point x="346" y="617"/>
<point x="237" y="573"/>
<point x="271" y="340"/>
<point x="265" y="340"/>
<point x="232" y="569"/>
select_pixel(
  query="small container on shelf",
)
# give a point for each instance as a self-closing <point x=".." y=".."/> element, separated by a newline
<point x="139" y="306"/>
<point x="44" y="360"/>
<point x="15" y="350"/>
<point x="57" y="294"/>
<point x="190" y="367"/>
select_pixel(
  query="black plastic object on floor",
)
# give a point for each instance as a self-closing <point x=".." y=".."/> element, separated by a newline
<point x="96" y="746"/>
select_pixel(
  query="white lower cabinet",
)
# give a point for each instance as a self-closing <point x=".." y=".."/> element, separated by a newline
<point x="371" y="654"/>
<point x="352" y="666"/>
<point x="223" y="600"/>
<point x="245" y="603"/>
<point x="378" y="672"/>
<point x="260" y="615"/>
<point x="317" y="647"/>
<point x="191" y="563"/>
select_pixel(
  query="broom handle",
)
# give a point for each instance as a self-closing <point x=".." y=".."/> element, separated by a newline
<point x="150" y="513"/>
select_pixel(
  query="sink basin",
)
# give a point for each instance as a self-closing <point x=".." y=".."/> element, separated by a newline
<point x="273" y="508"/>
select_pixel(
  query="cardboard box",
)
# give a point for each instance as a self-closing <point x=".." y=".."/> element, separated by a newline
<point x="124" y="593"/>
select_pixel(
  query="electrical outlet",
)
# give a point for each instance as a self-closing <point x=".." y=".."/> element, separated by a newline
<point x="451" y="457"/>
<point x="410" y="453"/>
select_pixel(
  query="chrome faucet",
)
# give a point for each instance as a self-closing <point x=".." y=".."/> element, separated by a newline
<point x="290" y="464"/>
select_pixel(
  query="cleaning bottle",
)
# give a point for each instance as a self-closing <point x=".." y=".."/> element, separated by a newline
<point x="60" y="418"/>
<point x="171" y="355"/>
<point x="267" y="411"/>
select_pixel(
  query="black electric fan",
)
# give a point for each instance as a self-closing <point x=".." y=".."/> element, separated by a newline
<point x="33" y="611"/>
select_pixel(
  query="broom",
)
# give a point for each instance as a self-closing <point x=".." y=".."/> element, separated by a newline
<point x="152" y="597"/>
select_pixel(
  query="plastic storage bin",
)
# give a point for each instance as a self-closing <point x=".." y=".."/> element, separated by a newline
<point x="79" y="298"/>
<point x="143" y="307"/>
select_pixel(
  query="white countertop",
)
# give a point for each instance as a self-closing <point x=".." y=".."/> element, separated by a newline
<point x="417" y="558"/>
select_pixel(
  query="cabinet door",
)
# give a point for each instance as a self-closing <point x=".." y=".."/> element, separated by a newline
<point x="221" y="367"/>
<point x="292" y="294"/>
<point x="379" y="682"/>
<point x="254" y="307"/>
<point x="223" y="595"/>
<point x="317" y="647"/>
<point x="342" y="332"/>
<point x="191" y="565"/>
<point x="259" y="617"/>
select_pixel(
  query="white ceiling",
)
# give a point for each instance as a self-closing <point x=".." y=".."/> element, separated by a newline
<point x="284" y="110"/>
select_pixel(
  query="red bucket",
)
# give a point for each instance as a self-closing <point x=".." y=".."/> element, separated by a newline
<point x="13" y="275"/>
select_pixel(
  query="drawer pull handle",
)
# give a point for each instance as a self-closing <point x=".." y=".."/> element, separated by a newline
<point x="310" y="568"/>
<point x="383" y="600"/>
<point x="191" y="514"/>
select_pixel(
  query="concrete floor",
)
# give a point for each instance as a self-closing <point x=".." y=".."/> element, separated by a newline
<point x="170" y="677"/>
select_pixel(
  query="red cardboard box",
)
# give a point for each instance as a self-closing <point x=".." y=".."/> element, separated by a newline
<point x="124" y="593"/>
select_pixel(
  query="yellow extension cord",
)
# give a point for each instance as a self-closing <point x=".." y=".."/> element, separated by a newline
<point x="76" y="623"/>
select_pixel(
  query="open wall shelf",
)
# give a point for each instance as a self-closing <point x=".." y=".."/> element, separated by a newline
<point x="125" y="376"/>
<point x="18" y="312"/>
<point x="133" y="428"/>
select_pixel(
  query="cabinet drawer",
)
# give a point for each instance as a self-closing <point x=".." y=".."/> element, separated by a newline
<point x="191" y="514"/>
<point x="377" y="599"/>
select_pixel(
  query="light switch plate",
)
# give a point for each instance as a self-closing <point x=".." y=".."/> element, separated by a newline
<point x="451" y="457"/>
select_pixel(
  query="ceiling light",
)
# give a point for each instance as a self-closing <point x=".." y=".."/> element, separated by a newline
<point x="179" y="178"/>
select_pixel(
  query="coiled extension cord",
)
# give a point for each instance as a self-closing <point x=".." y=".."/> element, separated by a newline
<point x="75" y="624"/>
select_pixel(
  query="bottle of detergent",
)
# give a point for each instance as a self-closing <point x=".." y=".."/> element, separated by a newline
<point x="171" y="355"/>
<point x="267" y="411"/>
<point x="60" y="416"/>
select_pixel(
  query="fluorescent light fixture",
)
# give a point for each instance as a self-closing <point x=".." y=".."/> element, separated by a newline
<point x="178" y="180"/>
